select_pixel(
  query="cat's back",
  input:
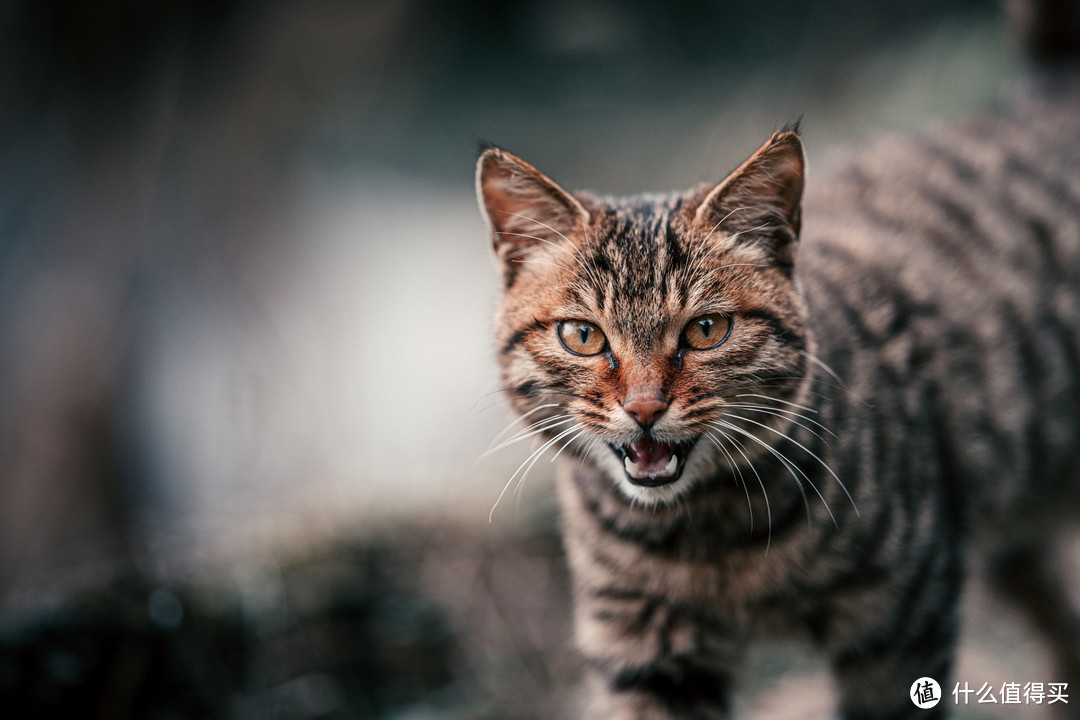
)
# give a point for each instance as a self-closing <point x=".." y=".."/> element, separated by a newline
<point x="956" y="201"/>
<point x="942" y="273"/>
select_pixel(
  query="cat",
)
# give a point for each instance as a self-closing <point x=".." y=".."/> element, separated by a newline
<point x="770" y="433"/>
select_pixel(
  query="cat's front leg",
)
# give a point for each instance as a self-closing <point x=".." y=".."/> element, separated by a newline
<point x="650" y="659"/>
<point x="888" y="635"/>
<point x="660" y="696"/>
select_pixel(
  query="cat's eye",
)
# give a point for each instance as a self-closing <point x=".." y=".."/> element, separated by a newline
<point x="581" y="338"/>
<point x="707" y="331"/>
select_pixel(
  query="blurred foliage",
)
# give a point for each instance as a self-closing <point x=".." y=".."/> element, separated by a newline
<point x="422" y="622"/>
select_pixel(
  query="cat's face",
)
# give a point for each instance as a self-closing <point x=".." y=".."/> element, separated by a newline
<point x="660" y="338"/>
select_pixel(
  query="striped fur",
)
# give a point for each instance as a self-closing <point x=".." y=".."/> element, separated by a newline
<point x="898" y="383"/>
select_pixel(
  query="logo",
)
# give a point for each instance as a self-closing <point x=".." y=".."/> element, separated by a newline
<point x="925" y="693"/>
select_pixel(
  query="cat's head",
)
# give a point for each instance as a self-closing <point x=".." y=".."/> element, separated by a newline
<point x="661" y="338"/>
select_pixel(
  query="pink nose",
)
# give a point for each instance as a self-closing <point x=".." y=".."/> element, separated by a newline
<point x="645" y="408"/>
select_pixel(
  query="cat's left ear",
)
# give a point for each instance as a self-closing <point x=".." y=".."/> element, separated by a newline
<point x="760" y="201"/>
<point x="528" y="214"/>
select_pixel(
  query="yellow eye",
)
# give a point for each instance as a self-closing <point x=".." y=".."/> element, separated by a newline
<point x="581" y="338"/>
<point x="707" y="331"/>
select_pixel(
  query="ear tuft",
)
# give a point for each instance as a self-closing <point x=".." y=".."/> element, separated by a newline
<point x="526" y="212"/>
<point x="483" y="145"/>
<point x="794" y="126"/>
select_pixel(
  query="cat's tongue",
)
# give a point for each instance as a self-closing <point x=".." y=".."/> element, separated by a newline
<point x="648" y="460"/>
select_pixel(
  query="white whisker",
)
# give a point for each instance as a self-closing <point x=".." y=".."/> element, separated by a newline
<point x="768" y="509"/>
<point x="588" y="449"/>
<point x="810" y="453"/>
<point x="534" y="261"/>
<point x="784" y="414"/>
<point x="791" y="467"/>
<point x="581" y="432"/>
<point x="717" y="248"/>
<point x="821" y="363"/>
<point x="785" y="402"/>
<point x="510" y="426"/>
<point x="555" y="245"/>
<point x="531" y="460"/>
<point x="698" y="255"/>
<point x="588" y="270"/>
<point x="536" y="428"/>
<point x="742" y="481"/>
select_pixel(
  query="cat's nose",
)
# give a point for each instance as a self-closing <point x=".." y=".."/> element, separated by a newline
<point x="646" y="408"/>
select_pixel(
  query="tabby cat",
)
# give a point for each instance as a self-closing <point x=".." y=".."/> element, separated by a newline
<point x="780" y="417"/>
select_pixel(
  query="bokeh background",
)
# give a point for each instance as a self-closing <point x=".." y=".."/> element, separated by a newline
<point x="246" y="375"/>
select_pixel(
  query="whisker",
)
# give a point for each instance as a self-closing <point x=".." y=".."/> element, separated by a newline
<point x="526" y="433"/>
<point x="734" y="466"/>
<point x="724" y="219"/>
<point x="731" y="265"/>
<point x="534" y="261"/>
<point x="791" y="467"/>
<point x="728" y="393"/>
<point x="546" y="446"/>
<point x="785" y="415"/>
<point x="785" y="402"/>
<point x="764" y="493"/>
<point x="521" y="417"/>
<point x="540" y="389"/>
<point x="822" y="381"/>
<point x="555" y="245"/>
<point x="535" y="424"/>
<point x="810" y="453"/>
<point x="821" y="363"/>
<point x="541" y="224"/>
<point x="802" y="378"/>
<point x="717" y="248"/>
<point x="588" y="270"/>
<point x="581" y="432"/>
<point x="588" y="449"/>
<point x="698" y="255"/>
<point x="536" y="454"/>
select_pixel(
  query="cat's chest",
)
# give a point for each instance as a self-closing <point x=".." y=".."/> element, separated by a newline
<point x="752" y="585"/>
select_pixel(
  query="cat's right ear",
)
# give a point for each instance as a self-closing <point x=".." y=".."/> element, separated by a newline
<point x="526" y="212"/>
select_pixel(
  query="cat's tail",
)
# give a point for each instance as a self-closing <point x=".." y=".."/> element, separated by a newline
<point x="1048" y="32"/>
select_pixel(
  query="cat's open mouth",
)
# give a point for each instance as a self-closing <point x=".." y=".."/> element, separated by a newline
<point x="652" y="463"/>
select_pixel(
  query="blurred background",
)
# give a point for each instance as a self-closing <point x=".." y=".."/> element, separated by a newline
<point x="246" y="374"/>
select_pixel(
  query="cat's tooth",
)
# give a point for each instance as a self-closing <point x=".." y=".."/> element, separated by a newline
<point x="669" y="469"/>
<point x="632" y="467"/>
